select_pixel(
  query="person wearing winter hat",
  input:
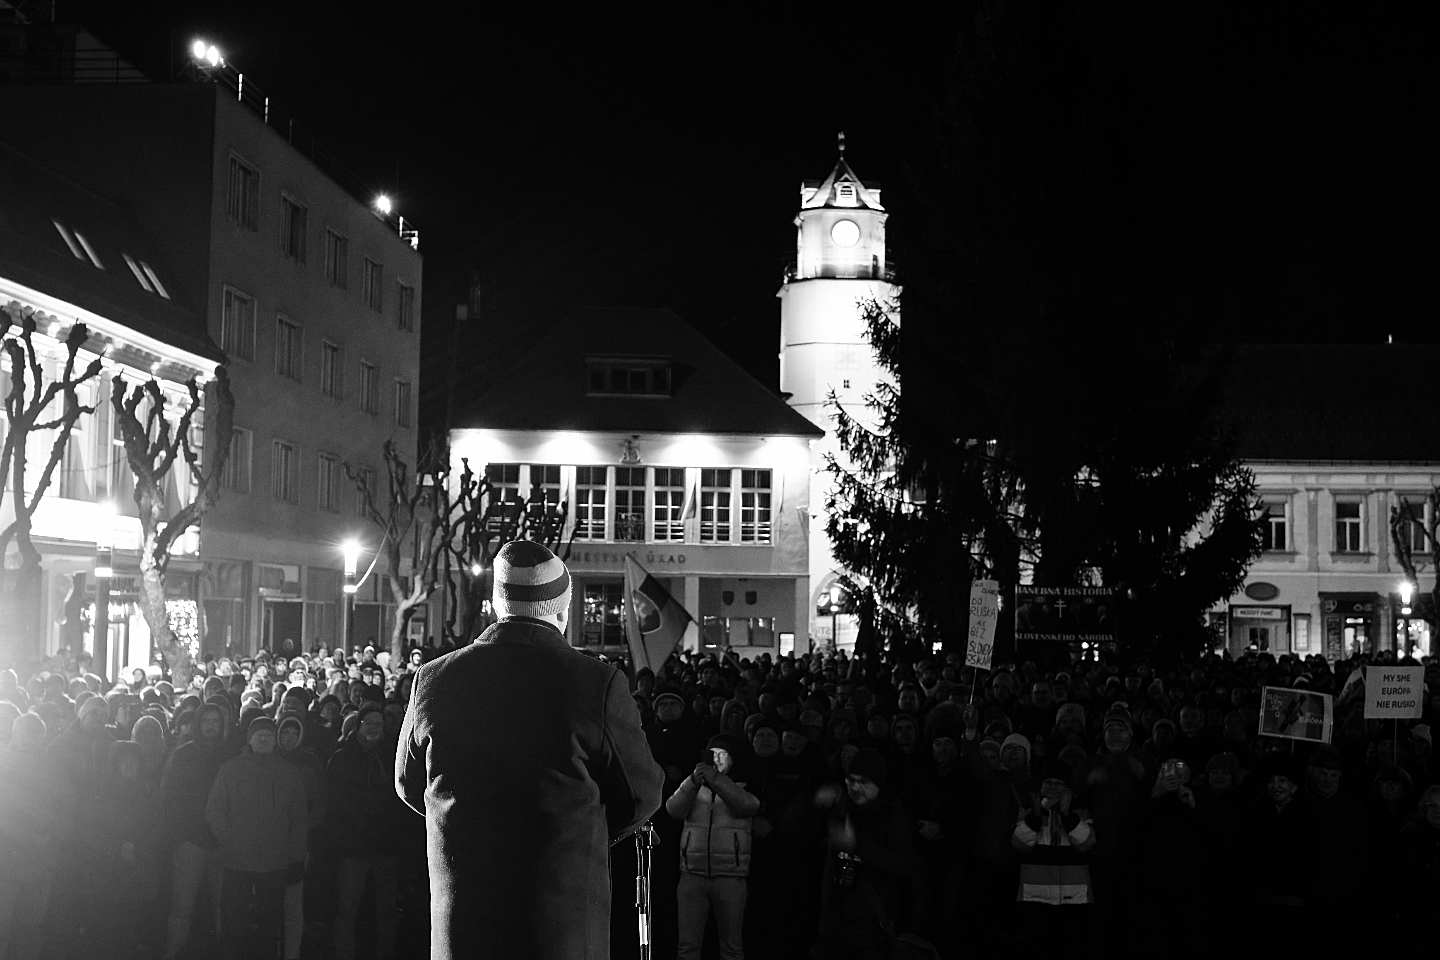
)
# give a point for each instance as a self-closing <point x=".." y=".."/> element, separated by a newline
<point x="715" y="850"/>
<point x="1278" y="839"/>
<point x="1015" y="753"/>
<point x="567" y="771"/>
<point x="869" y="859"/>
<point x="258" y="810"/>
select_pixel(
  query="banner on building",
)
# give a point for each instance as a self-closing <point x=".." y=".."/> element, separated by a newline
<point x="1065" y="614"/>
<point x="1394" y="693"/>
<point x="984" y="615"/>
<point x="654" y="620"/>
<point x="1296" y="714"/>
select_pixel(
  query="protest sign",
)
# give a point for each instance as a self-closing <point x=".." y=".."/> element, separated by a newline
<point x="1065" y="614"/>
<point x="1394" y="693"/>
<point x="984" y="615"/>
<point x="1296" y="714"/>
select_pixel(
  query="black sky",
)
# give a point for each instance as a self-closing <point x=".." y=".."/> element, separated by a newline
<point x="646" y="156"/>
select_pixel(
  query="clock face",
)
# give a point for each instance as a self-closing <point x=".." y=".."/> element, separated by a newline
<point x="845" y="233"/>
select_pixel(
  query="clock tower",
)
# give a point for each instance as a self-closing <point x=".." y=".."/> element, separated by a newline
<point x="839" y="265"/>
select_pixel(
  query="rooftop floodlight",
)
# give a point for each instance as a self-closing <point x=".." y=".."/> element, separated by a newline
<point x="212" y="56"/>
<point x="197" y="49"/>
<point x="382" y="204"/>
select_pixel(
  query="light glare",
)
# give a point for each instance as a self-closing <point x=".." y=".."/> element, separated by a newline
<point x="382" y="203"/>
<point x="197" y="49"/>
<point x="212" y="57"/>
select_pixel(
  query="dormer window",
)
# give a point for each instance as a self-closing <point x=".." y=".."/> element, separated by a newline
<point x="628" y="377"/>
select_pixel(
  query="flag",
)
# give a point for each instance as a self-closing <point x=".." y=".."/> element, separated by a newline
<point x="654" y="620"/>
<point x="690" y="505"/>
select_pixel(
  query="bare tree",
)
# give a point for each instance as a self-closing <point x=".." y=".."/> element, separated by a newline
<point x="153" y="446"/>
<point x="1405" y="519"/>
<point x="412" y="513"/>
<point x="483" y="521"/>
<point x="439" y="534"/>
<point x="34" y="405"/>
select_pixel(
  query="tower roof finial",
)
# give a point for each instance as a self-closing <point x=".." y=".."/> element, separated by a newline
<point x="842" y="143"/>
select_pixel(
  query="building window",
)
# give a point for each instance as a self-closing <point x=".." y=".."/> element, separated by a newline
<point x="715" y="506"/>
<point x="755" y="506"/>
<point x="327" y="494"/>
<point x="669" y="504"/>
<point x="337" y="260"/>
<point x="1274" y="534"/>
<point x="294" y="219"/>
<point x="630" y="503"/>
<point x="285" y="471"/>
<point x="503" y="509"/>
<point x="1415" y="527"/>
<point x="369" y="387"/>
<point x="154" y="280"/>
<point x="236" y="475"/>
<point x="1347" y="526"/>
<point x="289" y="356"/>
<point x="402" y="403"/>
<point x="237" y="324"/>
<point x="332" y="370"/>
<point x="405" y="307"/>
<point x="590" y="486"/>
<point x="243" y="198"/>
<point x="628" y="376"/>
<point x="366" y="476"/>
<point x="544" y="507"/>
<point x="603" y="622"/>
<point x="372" y="285"/>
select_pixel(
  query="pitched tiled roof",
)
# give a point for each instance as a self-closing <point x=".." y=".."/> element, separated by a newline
<point x="34" y="253"/>
<point x="536" y="379"/>
<point x="1345" y="402"/>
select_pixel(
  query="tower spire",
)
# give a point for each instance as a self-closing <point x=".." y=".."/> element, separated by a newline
<point x="842" y="144"/>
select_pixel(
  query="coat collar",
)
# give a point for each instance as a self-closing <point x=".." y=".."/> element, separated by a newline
<point x="523" y="630"/>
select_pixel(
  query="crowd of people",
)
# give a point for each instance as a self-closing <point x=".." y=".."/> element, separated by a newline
<point x="815" y="805"/>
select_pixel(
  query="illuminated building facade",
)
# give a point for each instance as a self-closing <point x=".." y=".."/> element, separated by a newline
<point x="314" y="299"/>
<point x="665" y="450"/>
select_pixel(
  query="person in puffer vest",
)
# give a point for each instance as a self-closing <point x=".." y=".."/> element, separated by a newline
<point x="714" y="850"/>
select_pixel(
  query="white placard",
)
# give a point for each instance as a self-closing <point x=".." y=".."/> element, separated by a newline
<point x="1394" y="693"/>
<point x="984" y="615"/>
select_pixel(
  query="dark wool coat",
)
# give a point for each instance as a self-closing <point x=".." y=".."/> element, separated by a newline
<point x="526" y="758"/>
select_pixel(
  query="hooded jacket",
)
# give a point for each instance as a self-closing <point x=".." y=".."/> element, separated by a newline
<point x="527" y="759"/>
<point x="258" y="810"/>
<point x="312" y="771"/>
<point x="365" y="815"/>
<point x="188" y="777"/>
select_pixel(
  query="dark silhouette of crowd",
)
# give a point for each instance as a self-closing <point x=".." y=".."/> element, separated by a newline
<point x="815" y="806"/>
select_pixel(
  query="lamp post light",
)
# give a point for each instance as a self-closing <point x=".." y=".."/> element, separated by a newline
<point x="835" y="594"/>
<point x="1402" y="626"/>
<point x="104" y="570"/>
<point x="351" y="551"/>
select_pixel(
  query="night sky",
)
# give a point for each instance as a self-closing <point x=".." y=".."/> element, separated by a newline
<point x="651" y="157"/>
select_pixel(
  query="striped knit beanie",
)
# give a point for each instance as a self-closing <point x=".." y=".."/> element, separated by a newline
<point x="530" y="581"/>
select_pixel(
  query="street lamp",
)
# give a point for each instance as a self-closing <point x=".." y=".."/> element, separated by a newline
<point x="835" y="594"/>
<point x="350" y="549"/>
<point x="104" y="570"/>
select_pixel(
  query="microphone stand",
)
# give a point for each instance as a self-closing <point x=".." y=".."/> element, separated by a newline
<point x="645" y="841"/>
